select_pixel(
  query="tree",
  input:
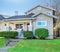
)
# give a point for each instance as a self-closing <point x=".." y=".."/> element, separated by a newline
<point x="55" y="4"/>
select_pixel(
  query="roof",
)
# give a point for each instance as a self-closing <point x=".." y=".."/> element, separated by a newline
<point x="1" y="17"/>
<point x="5" y="16"/>
<point x="21" y="16"/>
<point x="30" y="16"/>
<point x="41" y="6"/>
<point x="45" y="14"/>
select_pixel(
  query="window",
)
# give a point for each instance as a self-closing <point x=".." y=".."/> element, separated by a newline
<point x="41" y="23"/>
<point x="19" y="25"/>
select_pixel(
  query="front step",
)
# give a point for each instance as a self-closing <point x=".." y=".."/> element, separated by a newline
<point x="12" y="42"/>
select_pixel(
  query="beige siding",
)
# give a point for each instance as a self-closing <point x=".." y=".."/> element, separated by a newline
<point x="47" y="11"/>
<point x="35" y="11"/>
<point x="41" y="10"/>
<point x="49" y="24"/>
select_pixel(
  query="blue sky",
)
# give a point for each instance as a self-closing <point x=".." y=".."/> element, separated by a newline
<point x="8" y="7"/>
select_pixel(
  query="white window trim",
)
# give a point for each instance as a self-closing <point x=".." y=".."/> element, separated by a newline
<point x="41" y="21"/>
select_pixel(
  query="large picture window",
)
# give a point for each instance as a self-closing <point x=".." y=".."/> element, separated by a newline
<point x="41" y="23"/>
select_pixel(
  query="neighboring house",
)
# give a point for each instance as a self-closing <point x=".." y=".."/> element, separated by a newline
<point x="37" y="17"/>
<point x="57" y="26"/>
<point x="1" y="22"/>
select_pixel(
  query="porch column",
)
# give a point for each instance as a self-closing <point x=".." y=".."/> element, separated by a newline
<point x="7" y="26"/>
<point x="25" y="26"/>
<point x="33" y="27"/>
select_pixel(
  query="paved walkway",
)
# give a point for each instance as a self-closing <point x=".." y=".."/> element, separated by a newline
<point x="11" y="43"/>
<point x="4" y="49"/>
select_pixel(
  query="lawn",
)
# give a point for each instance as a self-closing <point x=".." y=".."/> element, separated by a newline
<point x="2" y="42"/>
<point x="36" y="46"/>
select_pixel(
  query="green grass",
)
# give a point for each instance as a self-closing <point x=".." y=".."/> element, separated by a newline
<point x="36" y="46"/>
<point x="2" y="42"/>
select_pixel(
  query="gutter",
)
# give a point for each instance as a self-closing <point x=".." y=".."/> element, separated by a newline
<point x="19" y="19"/>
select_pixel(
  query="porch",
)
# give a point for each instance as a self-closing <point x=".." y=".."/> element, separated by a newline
<point x="15" y="24"/>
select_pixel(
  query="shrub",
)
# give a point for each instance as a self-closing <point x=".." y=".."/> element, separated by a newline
<point x="42" y="33"/>
<point x="28" y="34"/>
<point x="8" y="34"/>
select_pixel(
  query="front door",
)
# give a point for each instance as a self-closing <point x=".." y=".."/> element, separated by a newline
<point x="20" y="33"/>
<point x="19" y="25"/>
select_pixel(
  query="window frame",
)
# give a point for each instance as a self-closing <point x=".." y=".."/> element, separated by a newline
<point x="41" y="25"/>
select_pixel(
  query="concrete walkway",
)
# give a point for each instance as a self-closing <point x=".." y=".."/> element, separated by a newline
<point x="4" y="49"/>
<point x="11" y="43"/>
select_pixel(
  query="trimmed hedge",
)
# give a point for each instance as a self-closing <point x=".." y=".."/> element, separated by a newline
<point x="28" y="34"/>
<point x="42" y="33"/>
<point x="8" y="34"/>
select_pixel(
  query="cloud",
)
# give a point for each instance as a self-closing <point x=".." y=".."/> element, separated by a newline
<point x="16" y="1"/>
<point x="13" y="1"/>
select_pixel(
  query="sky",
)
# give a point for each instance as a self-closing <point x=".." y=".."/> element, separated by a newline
<point x="8" y="7"/>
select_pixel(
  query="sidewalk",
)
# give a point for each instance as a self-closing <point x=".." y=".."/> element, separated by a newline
<point x="4" y="49"/>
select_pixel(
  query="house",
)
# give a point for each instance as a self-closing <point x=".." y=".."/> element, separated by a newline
<point x="37" y="17"/>
<point x="57" y="26"/>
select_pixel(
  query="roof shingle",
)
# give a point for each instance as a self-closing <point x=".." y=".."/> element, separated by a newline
<point x="1" y="17"/>
<point x="21" y="16"/>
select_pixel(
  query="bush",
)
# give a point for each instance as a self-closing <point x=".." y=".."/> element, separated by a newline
<point x="42" y="33"/>
<point x="28" y="34"/>
<point x="8" y="34"/>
